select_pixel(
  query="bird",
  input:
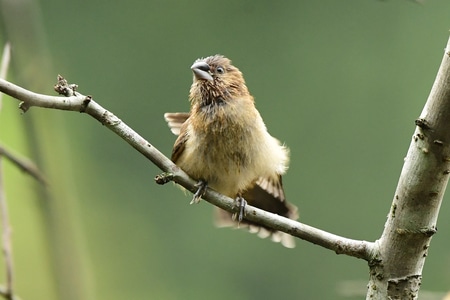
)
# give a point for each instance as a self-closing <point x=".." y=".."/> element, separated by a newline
<point x="224" y="144"/>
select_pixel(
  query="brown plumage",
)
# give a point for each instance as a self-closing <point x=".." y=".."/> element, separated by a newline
<point x="224" y="143"/>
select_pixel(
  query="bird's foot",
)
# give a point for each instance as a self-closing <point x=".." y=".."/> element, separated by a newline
<point x="239" y="203"/>
<point x="202" y="185"/>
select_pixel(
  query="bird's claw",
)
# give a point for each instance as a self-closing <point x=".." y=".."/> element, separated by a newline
<point x="240" y="203"/>
<point x="202" y="185"/>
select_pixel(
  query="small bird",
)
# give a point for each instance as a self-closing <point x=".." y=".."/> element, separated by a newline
<point x="224" y="144"/>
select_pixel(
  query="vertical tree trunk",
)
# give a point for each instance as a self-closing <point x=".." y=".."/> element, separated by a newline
<point x="396" y="271"/>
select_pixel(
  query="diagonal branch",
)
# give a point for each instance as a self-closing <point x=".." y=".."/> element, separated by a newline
<point x="403" y="246"/>
<point x="81" y="103"/>
<point x="396" y="260"/>
<point x="23" y="164"/>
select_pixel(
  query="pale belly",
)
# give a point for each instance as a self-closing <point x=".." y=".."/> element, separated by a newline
<point x="232" y="161"/>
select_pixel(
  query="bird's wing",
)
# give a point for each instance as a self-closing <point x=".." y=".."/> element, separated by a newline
<point x="266" y="194"/>
<point x="175" y="121"/>
<point x="179" y="145"/>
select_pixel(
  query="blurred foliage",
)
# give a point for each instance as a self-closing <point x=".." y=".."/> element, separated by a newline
<point x="340" y="82"/>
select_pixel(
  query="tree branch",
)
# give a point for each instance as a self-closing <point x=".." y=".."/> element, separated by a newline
<point x="23" y="164"/>
<point x="81" y="103"/>
<point x="4" y="64"/>
<point x="397" y="258"/>
<point x="7" y="291"/>
<point x="396" y="272"/>
<point x="6" y="239"/>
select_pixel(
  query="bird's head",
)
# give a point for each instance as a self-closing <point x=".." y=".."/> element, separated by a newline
<point x="216" y="81"/>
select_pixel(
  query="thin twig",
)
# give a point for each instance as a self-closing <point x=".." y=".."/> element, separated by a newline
<point x="23" y="164"/>
<point x="4" y="64"/>
<point x="6" y="238"/>
<point x="7" y="291"/>
<point x="80" y="103"/>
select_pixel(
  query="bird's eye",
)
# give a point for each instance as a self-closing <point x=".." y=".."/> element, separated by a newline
<point x="220" y="70"/>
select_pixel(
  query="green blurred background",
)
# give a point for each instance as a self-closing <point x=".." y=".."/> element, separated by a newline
<point x="340" y="82"/>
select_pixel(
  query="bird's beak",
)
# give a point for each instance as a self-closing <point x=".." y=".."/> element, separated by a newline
<point x="201" y="71"/>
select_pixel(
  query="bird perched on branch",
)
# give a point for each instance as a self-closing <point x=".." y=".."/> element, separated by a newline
<point x="224" y="144"/>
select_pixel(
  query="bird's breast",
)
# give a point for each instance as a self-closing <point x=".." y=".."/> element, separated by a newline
<point x="229" y="147"/>
<point x="219" y="150"/>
